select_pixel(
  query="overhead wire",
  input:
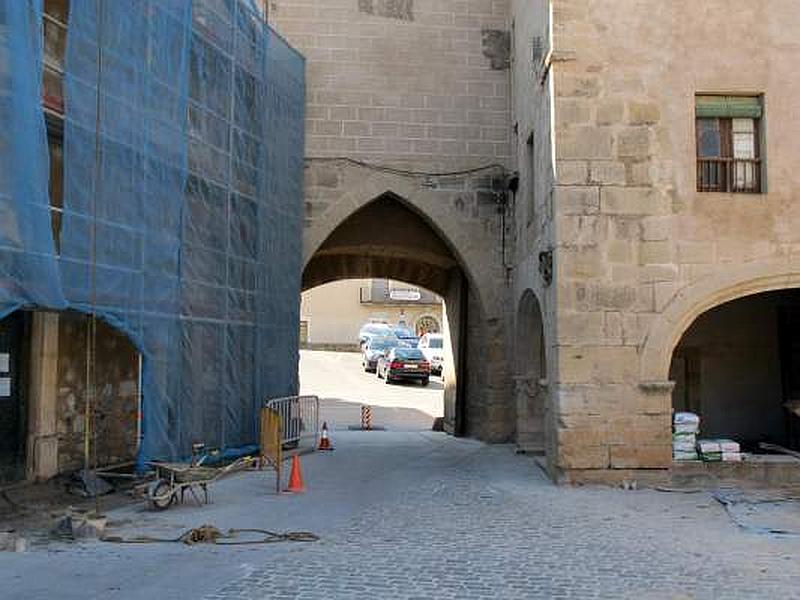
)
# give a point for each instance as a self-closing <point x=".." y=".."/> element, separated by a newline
<point x="408" y="172"/>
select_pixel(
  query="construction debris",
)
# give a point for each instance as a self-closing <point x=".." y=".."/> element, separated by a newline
<point x="11" y="541"/>
<point x="779" y="449"/>
<point x="87" y="484"/>
<point x="80" y="524"/>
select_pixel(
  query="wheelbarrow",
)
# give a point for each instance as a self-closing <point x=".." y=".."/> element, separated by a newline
<point x="173" y="480"/>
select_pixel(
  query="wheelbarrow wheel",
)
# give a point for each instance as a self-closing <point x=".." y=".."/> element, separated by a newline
<point x="159" y="495"/>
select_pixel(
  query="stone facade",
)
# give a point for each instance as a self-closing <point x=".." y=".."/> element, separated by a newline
<point x="57" y="395"/>
<point x="638" y="252"/>
<point x="593" y="104"/>
<point x="419" y="87"/>
<point x="115" y="430"/>
<point x="334" y="313"/>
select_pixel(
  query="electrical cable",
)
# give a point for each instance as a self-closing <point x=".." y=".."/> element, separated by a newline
<point x="407" y="172"/>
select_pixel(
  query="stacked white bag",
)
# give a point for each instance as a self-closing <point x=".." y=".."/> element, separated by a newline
<point x="686" y="426"/>
<point x="731" y="451"/>
<point x="719" y="450"/>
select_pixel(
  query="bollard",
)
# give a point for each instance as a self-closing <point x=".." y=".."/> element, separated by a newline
<point x="366" y="418"/>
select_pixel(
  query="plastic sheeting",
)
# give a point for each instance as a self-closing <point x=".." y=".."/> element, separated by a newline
<point x="182" y="222"/>
<point x="242" y="234"/>
<point x="28" y="267"/>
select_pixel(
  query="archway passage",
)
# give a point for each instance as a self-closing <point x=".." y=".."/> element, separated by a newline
<point x="387" y="239"/>
<point x="738" y="367"/>
<point x="530" y="368"/>
<point x="384" y="239"/>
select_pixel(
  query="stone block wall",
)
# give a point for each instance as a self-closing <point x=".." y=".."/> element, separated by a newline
<point x="639" y="252"/>
<point x="532" y="125"/>
<point x="420" y="86"/>
<point x="116" y="410"/>
<point x="422" y="83"/>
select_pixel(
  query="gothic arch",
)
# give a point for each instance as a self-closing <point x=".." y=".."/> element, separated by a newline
<point x="459" y="236"/>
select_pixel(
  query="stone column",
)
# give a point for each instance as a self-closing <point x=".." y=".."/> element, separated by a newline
<point x="42" y="446"/>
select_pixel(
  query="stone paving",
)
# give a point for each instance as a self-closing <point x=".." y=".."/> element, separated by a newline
<point x="423" y="515"/>
<point x="479" y="522"/>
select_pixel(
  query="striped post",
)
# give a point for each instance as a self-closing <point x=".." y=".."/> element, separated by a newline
<point x="366" y="418"/>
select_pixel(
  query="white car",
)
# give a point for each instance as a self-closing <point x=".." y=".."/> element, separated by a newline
<point x="432" y="346"/>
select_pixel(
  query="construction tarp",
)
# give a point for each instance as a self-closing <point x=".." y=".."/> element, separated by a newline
<point x="28" y="263"/>
<point x="182" y="218"/>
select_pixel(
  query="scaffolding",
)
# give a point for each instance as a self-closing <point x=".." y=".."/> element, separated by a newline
<point x="182" y="212"/>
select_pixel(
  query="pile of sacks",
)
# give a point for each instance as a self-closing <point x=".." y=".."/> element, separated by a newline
<point x="686" y="426"/>
<point x="719" y="450"/>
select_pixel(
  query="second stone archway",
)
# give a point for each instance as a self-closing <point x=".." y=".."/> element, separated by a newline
<point x="530" y="375"/>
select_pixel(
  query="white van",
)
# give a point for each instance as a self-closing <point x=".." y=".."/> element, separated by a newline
<point x="432" y="346"/>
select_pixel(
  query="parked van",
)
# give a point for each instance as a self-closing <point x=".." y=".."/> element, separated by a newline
<point x="432" y="346"/>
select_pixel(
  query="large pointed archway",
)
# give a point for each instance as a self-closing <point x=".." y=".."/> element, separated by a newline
<point x="384" y="239"/>
<point x="389" y="238"/>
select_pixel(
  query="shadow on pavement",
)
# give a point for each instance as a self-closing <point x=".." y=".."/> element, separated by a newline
<point x="340" y="414"/>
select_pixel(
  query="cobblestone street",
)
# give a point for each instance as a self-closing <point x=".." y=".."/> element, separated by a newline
<point x="423" y="515"/>
<point x="409" y="513"/>
<point x="477" y="522"/>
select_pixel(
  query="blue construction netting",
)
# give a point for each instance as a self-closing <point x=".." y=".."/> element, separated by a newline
<point x="28" y="264"/>
<point x="182" y="218"/>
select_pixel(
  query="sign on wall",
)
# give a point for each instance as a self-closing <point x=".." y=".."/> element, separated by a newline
<point x="405" y="295"/>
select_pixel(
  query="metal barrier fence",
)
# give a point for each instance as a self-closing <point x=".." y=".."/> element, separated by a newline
<point x="299" y="419"/>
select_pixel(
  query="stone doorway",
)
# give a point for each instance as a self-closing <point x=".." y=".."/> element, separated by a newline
<point x="44" y="422"/>
<point x="13" y="395"/>
<point x="530" y="375"/>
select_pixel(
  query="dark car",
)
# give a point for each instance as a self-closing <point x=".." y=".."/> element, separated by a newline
<point x="404" y="364"/>
<point x="374" y="348"/>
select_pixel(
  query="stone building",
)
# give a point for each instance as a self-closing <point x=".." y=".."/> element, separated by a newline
<point x="644" y="256"/>
<point x="149" y="298"/>
<point x="653" y="142"/>
<point x="332" y="315"/>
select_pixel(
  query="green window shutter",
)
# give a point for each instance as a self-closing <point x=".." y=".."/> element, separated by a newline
<point x="731" y="107"/>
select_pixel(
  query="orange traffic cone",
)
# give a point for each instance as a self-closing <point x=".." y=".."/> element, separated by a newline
<point x="296" y="485"/>
<point x="324" y="440"/>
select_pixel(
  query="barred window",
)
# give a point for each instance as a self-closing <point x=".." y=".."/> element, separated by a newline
<point x="728" y="144"/>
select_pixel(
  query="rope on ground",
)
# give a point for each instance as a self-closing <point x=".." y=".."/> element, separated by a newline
<point x="208" y="534"/>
